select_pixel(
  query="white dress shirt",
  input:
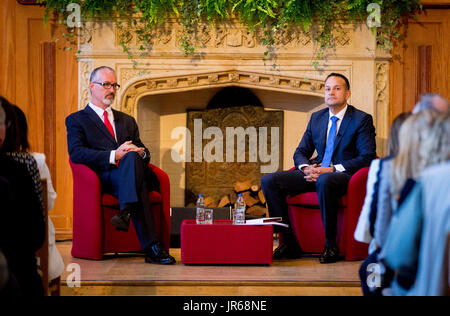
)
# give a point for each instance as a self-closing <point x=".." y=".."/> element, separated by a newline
<point x="100" y="111"/>
<point x="340" y="116"/>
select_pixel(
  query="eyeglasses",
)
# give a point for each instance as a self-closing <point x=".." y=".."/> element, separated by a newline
<point x="108" y="85"/>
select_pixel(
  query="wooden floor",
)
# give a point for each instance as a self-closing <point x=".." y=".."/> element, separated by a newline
<point x="129" y="275"/>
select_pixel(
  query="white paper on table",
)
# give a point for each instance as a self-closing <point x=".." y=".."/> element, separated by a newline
<point x="266" y="221"/>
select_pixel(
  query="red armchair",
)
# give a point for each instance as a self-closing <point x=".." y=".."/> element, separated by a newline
<point x="306" y="220"/>
<point x="93" y="234"/>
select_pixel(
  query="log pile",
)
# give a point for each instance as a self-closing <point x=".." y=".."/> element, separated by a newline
<point x="253" y="197"/>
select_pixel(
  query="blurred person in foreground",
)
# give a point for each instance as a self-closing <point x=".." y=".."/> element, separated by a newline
<point x="417" y="240"/>
<point x="22" y="230"/>
<point x="55" y="262"/>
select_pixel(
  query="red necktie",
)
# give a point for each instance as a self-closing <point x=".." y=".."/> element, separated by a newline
<point x="108" y="124"/>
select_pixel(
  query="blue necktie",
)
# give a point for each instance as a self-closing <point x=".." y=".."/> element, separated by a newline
<point x="330" y="143"/>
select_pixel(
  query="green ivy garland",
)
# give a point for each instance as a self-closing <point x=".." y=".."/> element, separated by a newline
<point x="268" y="16"/>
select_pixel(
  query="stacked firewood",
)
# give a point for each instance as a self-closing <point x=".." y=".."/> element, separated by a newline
<point x="253" y="197"/>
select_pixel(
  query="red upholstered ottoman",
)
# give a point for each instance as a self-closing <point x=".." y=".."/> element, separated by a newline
<point x="225" y="243"/>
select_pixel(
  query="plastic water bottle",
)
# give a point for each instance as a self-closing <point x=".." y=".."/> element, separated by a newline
<point x="200" y="214"/>
<point x="239" y="215"/>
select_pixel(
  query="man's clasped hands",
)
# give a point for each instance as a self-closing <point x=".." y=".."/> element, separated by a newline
<point x="127" y="147"/>
<point x="312" y="172"/>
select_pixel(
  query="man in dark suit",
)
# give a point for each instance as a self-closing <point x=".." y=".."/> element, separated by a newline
<point x="108" y="142"/>
<point x="344" y="139"/>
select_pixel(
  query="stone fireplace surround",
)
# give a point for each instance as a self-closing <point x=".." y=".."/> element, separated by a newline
<point x="165" y="84"/>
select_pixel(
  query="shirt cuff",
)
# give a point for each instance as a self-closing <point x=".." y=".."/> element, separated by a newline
<point x="112" y="157"/>
<point x="339" y="168"/>
<point x="301" y="166"/>
<point x="145" y="154"/>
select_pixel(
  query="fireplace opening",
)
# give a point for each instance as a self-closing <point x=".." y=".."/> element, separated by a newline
<point x="163" y="124"/>
<point x="233" y="97"/>
<point x="234" y="142"/>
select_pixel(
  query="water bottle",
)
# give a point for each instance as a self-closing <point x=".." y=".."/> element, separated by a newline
<point x="239" y="215"/>
<point x="200" y="214"/>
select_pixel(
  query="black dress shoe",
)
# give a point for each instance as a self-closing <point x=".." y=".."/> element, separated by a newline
<point x="121" y="220"/>
<point x="157" y="254"/>
<point x="330" y="254"/>
<point x="287" y="251"/>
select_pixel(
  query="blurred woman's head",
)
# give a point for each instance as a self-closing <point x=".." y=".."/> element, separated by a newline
<point x="394" y="132"/>
<point x="8" y="133"/>
<point x="22" y="129"/>
<point x="431" y="101"/>
<point x="424" y="140"/>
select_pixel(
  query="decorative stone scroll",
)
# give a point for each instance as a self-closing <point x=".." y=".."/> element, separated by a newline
<point x="382" y="104"/>
<point x="129" y="97"/>
<point x="224" y="36"/>
<point x="84" y="72"/>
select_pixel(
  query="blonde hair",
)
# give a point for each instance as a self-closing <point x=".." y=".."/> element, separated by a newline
<point x="424" y="140"/>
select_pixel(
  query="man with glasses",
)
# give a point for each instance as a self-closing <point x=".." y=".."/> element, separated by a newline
<point x="108" y="142"/>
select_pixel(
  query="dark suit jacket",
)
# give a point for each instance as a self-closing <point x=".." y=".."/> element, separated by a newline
<point x="354" y="147"/>
<point x="90" y="142"/>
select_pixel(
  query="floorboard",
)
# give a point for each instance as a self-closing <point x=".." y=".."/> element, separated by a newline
<point x="129" y="275"/>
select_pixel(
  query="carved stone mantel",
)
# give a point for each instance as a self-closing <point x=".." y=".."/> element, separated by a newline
<point x="138" y="87"/>
<point x="230" y="55"/>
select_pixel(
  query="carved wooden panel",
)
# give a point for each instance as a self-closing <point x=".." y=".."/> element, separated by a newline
<point x="421" y="62"/>
<point x="49" y="79"/>
<point x="216" y="179"/>
<point x="424" y="66"/>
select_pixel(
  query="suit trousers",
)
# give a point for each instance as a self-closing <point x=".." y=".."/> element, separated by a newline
<point x="330" y="187"/>
<point x="130" y="183"/>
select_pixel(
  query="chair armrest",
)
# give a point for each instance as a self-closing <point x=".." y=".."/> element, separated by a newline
<point x="356" y="193"/>
<point x="87" y="212"/>
<point x="357" y="189"/>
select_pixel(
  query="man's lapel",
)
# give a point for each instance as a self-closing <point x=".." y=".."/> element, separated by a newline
<point x="322" y="125"/>
<point x="98" y="122"/>
<point x="343" y="128"/>
<point x="119" y="123"/>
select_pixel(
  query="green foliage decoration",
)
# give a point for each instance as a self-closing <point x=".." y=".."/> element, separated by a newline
<point x="322" y="19"/>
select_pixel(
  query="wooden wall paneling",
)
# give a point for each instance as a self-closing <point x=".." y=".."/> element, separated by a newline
<point x="424" y="66"/>
<point x="49" y="78"/>
<point x="66" y="103"/>
<point x="7" y="51"/>
<point x="421" y="63"/>
<point x="46" y="78"/>
<point x="436" y="3"/>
